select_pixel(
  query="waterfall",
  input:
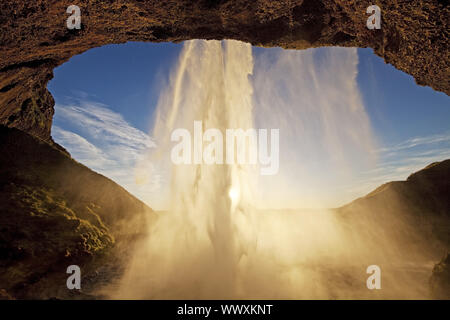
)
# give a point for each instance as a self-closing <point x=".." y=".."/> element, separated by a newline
<point x="195" y="248"/>
<point x="214" y="242"/>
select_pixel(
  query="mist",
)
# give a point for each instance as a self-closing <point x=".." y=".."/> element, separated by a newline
<point x="220" y="237"/>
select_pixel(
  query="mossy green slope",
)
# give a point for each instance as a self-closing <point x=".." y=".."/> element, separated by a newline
<point x="55" y="212"/>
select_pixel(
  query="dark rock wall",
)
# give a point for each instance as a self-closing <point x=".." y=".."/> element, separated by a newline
<point x="34" y="37"/>
<point x="55" y="212"/>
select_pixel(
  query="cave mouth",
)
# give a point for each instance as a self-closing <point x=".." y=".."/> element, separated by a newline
<point x="346" y="110"/>
<point x="119" y="87"/>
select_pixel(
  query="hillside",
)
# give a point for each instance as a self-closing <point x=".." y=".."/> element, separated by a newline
<point x="55" y="212"/>
<point x="415" y="214"/>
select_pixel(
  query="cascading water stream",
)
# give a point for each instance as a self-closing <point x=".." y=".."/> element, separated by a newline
<point x="197" y="244"/>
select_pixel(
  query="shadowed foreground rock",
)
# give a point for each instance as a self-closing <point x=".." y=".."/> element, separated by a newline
<point x="55" y="212"/>
<point x="414" y="38"/>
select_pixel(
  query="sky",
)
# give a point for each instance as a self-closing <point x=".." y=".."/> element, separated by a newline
<point x="106" y="99"/>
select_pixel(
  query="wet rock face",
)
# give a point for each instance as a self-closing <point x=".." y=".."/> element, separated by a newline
<point x="414" y="37"/>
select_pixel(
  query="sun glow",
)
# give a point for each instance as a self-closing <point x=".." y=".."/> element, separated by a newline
<point x="234" y="195"/>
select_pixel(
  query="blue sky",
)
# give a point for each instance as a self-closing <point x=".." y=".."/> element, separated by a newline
<point x="105" y="99"/>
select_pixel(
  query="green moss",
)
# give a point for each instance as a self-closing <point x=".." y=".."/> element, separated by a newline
<point x="55" y="212"/>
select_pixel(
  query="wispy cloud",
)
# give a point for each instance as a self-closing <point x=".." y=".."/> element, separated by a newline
<point x="85" y="151"/>
<point x="105" y="142"/>
<point x="414" y="152"/>
<point x="397" y="162"/>
<point x="417" y="142"/>
<point x="96" y="119"/>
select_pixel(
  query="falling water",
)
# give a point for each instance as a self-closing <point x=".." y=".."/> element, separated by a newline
<point x="196" y="246"/>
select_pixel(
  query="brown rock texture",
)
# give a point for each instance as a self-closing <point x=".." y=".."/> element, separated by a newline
<point x="55" y="212"/>
<point x="34" y="38"/>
